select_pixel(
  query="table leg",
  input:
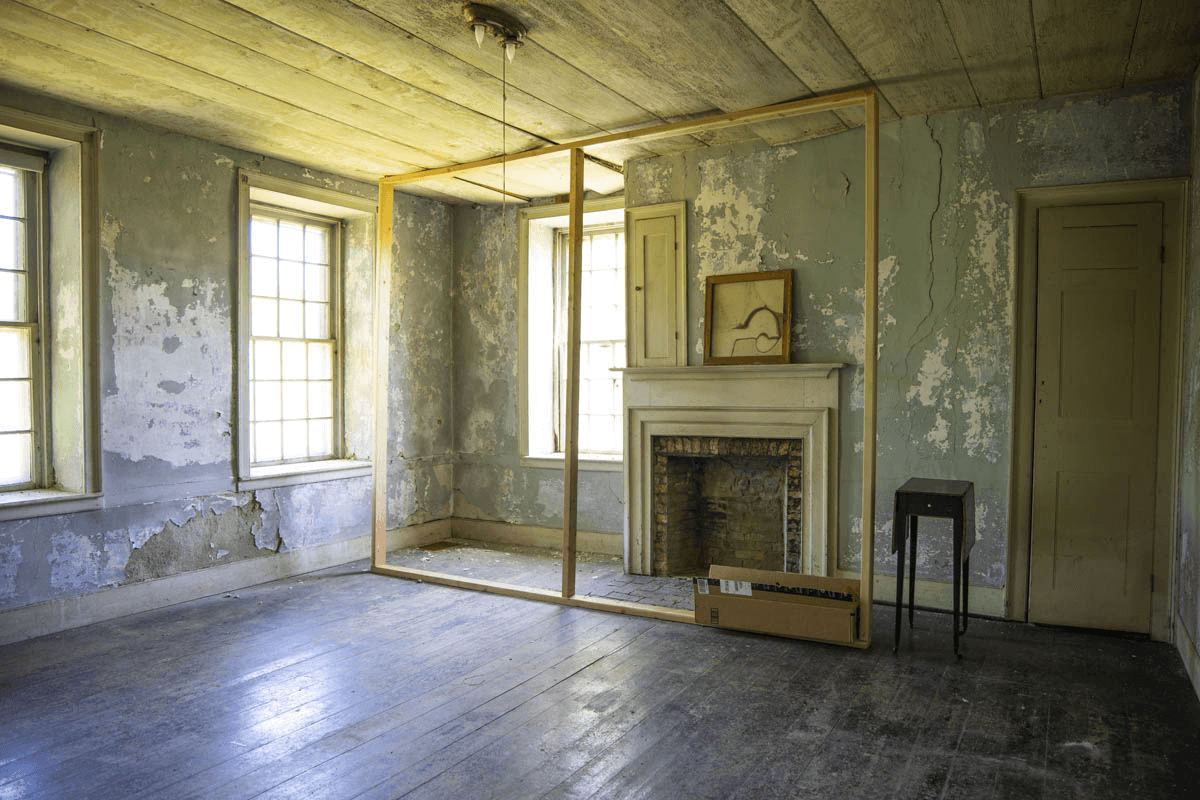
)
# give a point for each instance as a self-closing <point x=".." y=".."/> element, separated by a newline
<point x="899" y="592"/>
<point x="912" y="566"/>
<point x="966" y="588"/>
<point x="957" y="570"/>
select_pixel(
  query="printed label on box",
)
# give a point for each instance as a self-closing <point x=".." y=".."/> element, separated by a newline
<point x="736" y="587"/>
<point x="701" y="585"/>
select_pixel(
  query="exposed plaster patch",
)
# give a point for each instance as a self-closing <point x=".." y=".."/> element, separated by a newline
<point x="219" y="528"/>
<point x="144" y="417"/>
<point x="933" y="375"/>
<point x="216" y="503"/>
<point x="486" y="289"/>
<point x="654" y="177"/>
<point x="730" y="207"/>
<point x="10" y="562"/>
<point x="550" y="493"/>
<point x="138" y="535"/>
<point x="74" y="562"/>
<point x="939" y="434"/>
<point x="265" y="529"/>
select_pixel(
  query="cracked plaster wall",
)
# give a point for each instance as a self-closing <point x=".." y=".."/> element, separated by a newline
<point x="946" y="273"/>
<point x="1187" y="600"/>
<point x="168" y="263"/>
<point x="420" y="410"/>
<point x="489" y="482"/>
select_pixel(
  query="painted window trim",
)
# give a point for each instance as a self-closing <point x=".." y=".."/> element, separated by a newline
<point x="73" y="256"/>
<point x="257" y="188"/>
<point x="32" y="166"/>
<point x="529" y="456"/>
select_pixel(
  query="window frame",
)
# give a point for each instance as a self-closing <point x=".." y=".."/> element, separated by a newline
<point x="336" y="230"/>
<point x="536" y="232"/>
<point x="69" y="241"/>
<point x="296" y="200"/>
<point x="559" y="270"/>
<point x="30" y="166"/>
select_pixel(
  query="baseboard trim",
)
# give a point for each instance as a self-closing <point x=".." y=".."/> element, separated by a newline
<point x="64" y="613"/>
<point x="606" y="544"/>
<point x="1188" y="652"/>
<point x="985" y="600"/>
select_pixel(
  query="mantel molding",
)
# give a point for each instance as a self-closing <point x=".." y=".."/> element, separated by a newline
<point x="732" y="371"/>
<point x="784" y="401"/>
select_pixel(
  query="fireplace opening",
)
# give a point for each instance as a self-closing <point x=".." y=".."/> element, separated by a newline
<point x="731" y="501"/>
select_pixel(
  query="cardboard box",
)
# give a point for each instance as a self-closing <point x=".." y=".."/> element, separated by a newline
<point x="778" y="603"/>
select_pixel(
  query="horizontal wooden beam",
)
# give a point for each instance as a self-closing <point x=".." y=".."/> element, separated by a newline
<point x="811" y="105"/>
<point x="528" y="593"/>
<point x="504" y="192"/>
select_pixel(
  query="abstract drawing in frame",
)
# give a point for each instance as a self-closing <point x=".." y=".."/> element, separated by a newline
<point x="748" y="318"/>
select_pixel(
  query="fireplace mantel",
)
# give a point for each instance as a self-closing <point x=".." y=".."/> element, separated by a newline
<point x="785" y="401"/>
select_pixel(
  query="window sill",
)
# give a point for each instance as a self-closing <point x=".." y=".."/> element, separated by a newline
<point x="45" y="503"/>
<point x="588" y="463"/>
<point x="308" y="472"/>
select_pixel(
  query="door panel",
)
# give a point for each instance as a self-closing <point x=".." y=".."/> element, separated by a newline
<point x="654" y="295"/>
<point x="1096" y="415"/>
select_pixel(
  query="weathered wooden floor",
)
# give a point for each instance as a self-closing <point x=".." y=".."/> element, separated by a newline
<point x="344" y="684"/>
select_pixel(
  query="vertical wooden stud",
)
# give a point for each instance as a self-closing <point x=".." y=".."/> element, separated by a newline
<point x="383" y="293"/>
<point x="571" y="437"/>
<point x="870" y="356"/>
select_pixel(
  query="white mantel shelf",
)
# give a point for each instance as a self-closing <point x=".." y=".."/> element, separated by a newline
<point x="728" y="371"/>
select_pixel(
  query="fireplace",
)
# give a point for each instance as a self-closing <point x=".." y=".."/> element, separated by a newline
<point x="731" y="501"/>
<point x="731" y="430"/>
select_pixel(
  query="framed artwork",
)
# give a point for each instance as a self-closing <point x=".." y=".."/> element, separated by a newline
<point x="748" y="318"/>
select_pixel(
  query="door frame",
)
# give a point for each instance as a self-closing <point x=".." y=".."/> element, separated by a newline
<point x="1173" y="194"/>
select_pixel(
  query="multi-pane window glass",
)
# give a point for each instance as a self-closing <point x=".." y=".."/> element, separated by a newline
<point x="19" y="329"/>
<point x="293" y="347"/>
<point x="601" y="338"/>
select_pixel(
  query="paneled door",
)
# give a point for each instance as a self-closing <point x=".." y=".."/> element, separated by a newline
<point x="1099" y="281"/>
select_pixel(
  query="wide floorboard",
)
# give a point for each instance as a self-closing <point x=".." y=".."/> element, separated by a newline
<point x="344" y="684"/>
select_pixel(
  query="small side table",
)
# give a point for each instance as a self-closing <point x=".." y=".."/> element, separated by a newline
<point x="928" y="497"/>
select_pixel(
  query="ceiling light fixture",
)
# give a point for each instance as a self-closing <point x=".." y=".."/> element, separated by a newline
<point x="485" y="19"/>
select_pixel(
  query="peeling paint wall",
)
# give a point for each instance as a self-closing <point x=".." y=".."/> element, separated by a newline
<point x="946" y="272"/>
<point x="420" y="377"/>
<point x="168" y="263"/>
<point x="490" y="483"/>
<point x="1187" y="599"/>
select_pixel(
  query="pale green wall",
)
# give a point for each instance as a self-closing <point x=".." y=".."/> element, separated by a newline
<point x="946" y="273"/>
<point x="948" y="184"/>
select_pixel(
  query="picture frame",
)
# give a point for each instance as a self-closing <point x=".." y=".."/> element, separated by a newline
<point x="748" y="318"/>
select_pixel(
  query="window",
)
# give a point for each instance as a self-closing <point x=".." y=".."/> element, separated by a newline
<point x="545" y="250"/>
<point x="21" y="282"/>
<point x="49" y="251"/>
<point x="601" y="338"/>
<point x="293" y="346"/>
<point x="303" y="405"/>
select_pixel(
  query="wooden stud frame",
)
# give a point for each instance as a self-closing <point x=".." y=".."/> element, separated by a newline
<point x="865" y="98"/>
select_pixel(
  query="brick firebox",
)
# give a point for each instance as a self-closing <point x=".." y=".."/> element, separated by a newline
<point x="730" y="501"/>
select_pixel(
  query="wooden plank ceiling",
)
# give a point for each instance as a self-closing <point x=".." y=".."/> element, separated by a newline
<point x="367" y="88"/>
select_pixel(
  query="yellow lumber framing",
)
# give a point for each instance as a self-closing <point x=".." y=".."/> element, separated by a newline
<point x="865" y="98"/>
<point x="571" y="443"/>
<point x="379" y="430"/>
<point x="530" y="593"/>
<point x="713" y="122"/>
<point x="870" y="356"/>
